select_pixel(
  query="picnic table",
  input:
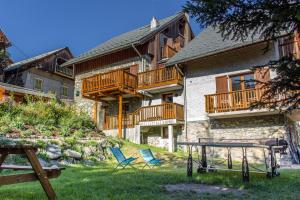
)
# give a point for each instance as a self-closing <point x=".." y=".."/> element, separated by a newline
<point x="203" y="143"/>
<point x="42" y="174"/>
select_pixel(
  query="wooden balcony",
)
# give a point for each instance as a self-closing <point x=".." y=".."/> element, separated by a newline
<point x="145" y="114"/>
<point x="159" y="77"/>
<point x="109" y="84"/>
<point x="64" y="71"/>
<point x="160" y="112"/>
<point x="232" y="101"/>
<point x="167" y="52"/>
<point x="111" y="122"/>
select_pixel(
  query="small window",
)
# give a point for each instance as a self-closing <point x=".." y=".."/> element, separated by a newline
<point x="38" y="84"/>
<point x="64" y="91"/>
<point x="52" y="91"/>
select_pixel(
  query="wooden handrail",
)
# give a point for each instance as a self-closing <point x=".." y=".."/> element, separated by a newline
<point x="232" y="101"/>
<point x="148" y="113"/>
<point x="109" y="80"/>
<point x="159" y="77"/>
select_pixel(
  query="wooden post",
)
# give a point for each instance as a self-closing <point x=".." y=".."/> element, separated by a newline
<point x="120" y="116"/>
<point x="95" y="112"/>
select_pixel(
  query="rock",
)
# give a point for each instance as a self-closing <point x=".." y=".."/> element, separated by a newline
<point x="72" y="154"/>
<point x="65" y="162"/>
<point x="101" y="157"/>
<point x="43" y="162"/>
<point x="53" y="151"/>
<point x="88" y="151"/>
<point x="88" y="162"/>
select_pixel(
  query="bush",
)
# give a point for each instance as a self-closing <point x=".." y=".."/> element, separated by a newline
<point x="52" y="118"/>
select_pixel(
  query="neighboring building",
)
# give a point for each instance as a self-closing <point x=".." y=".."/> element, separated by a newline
<point x="124" y="84"/>
<point x="217" y="97"/>
<point x="44" y="73"/>
<point x="4" y="59"/>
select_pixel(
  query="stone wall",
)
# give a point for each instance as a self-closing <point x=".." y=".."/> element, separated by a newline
<point x="270" y="126"/>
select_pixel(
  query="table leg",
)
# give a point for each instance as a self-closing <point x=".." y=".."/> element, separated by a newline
<point x="245" y="166"/>
<point x="203" y="164"/>
<point x="41" y="174"/>
<point x="229" y="159"/>
<point x="190" y="163"/>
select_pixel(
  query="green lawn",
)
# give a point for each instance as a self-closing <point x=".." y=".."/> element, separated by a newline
<point x="101" y="182"/>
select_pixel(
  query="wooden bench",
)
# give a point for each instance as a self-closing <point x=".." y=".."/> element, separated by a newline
<point x="42" y="174"/>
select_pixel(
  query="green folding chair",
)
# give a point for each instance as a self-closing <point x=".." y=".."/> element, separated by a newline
<point x="122" y="160"/>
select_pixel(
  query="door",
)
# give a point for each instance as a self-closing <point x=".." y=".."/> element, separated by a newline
<point x="167" y="107"/>
<point x="222" y="97"/>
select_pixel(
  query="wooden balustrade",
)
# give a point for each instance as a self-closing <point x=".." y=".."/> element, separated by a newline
<point x="111" y="122"/>
<point x="117" y="79"/>
<point x="159" y="77"/>
<point x="232" y="101"/>
<point x="148" y="113"/>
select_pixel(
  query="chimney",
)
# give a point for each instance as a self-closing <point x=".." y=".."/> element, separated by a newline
<point x="154" y="23"/>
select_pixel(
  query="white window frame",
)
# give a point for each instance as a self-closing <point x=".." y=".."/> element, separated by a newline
<point x="34" y="84"/>
<point x="62" y="89"/>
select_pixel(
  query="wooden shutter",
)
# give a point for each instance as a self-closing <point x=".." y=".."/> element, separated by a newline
<point x="262" y="74"/>
<point x="221" y="84"/>
<point x="134" y="69"/>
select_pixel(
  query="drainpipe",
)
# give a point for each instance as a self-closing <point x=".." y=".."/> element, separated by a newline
<point x="185" y="101"/>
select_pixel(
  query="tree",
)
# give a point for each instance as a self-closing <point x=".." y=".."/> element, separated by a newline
<point x="240" y="19"/>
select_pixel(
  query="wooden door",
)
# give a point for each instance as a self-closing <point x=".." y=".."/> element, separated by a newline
<point x="222" y="100"/>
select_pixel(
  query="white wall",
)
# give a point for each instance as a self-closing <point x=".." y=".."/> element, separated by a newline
<point x="201" y="73"/>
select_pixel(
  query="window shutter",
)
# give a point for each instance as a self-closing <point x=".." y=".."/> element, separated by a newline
<point x="262" y="74"/>
<point x="221" y="84"/>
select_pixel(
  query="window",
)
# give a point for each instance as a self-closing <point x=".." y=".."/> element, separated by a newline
<point x="242" y="82"/>
<point x="287" y="46"/>
<point x="64" y="91"/>
<point x="38" y="84"/>
<point x="167" y="98"/>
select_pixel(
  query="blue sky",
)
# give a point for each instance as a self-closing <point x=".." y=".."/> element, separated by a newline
<point x="37" y="26"/>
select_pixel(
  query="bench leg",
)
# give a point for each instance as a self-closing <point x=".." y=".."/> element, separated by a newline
<point x="41" y="174"/>
<point x="229" y="159"/>
<point x="2" y="158"/>
<point x="245" y="166"/>
<point x="190" y="164"/>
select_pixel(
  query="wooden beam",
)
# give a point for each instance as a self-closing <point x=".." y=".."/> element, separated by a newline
<point x="21" y="178"/>
<point x="120" y="116"/>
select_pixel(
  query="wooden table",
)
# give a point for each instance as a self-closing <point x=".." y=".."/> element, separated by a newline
<point x="203" y="167"/>
<point x="42" y="174"/>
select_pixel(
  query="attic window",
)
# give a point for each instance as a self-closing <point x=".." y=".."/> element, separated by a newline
<point x="60" y="60"/>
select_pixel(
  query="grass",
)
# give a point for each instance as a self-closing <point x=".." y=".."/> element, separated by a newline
<point x="102" y="182"/>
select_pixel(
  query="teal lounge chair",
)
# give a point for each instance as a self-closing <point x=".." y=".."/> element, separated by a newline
<point x="122" y="160"/>
<point x="150" y="160"/>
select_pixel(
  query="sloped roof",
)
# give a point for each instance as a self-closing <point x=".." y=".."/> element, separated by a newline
<point x="30" y="60"/>
<point x="208" y="42"/>
<point x="125" y="40"/>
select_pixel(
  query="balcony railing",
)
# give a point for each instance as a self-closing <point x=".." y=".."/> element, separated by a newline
<point x="159" y="77"/>
<point x="167" y="52"/>
<point x="159" y="112"/>
<point x="113" y="80"/>
<point x="65" y="71"/>
<point x="148" y="113"/>
<point x="232" y="101"/>
<point x="111" y="122"/>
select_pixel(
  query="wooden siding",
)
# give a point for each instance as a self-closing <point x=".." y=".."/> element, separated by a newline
<point x="109" y="59"/>
<point x="148" y="113"/>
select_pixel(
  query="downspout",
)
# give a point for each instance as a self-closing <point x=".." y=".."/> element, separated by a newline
<point x="184" y="101"/>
